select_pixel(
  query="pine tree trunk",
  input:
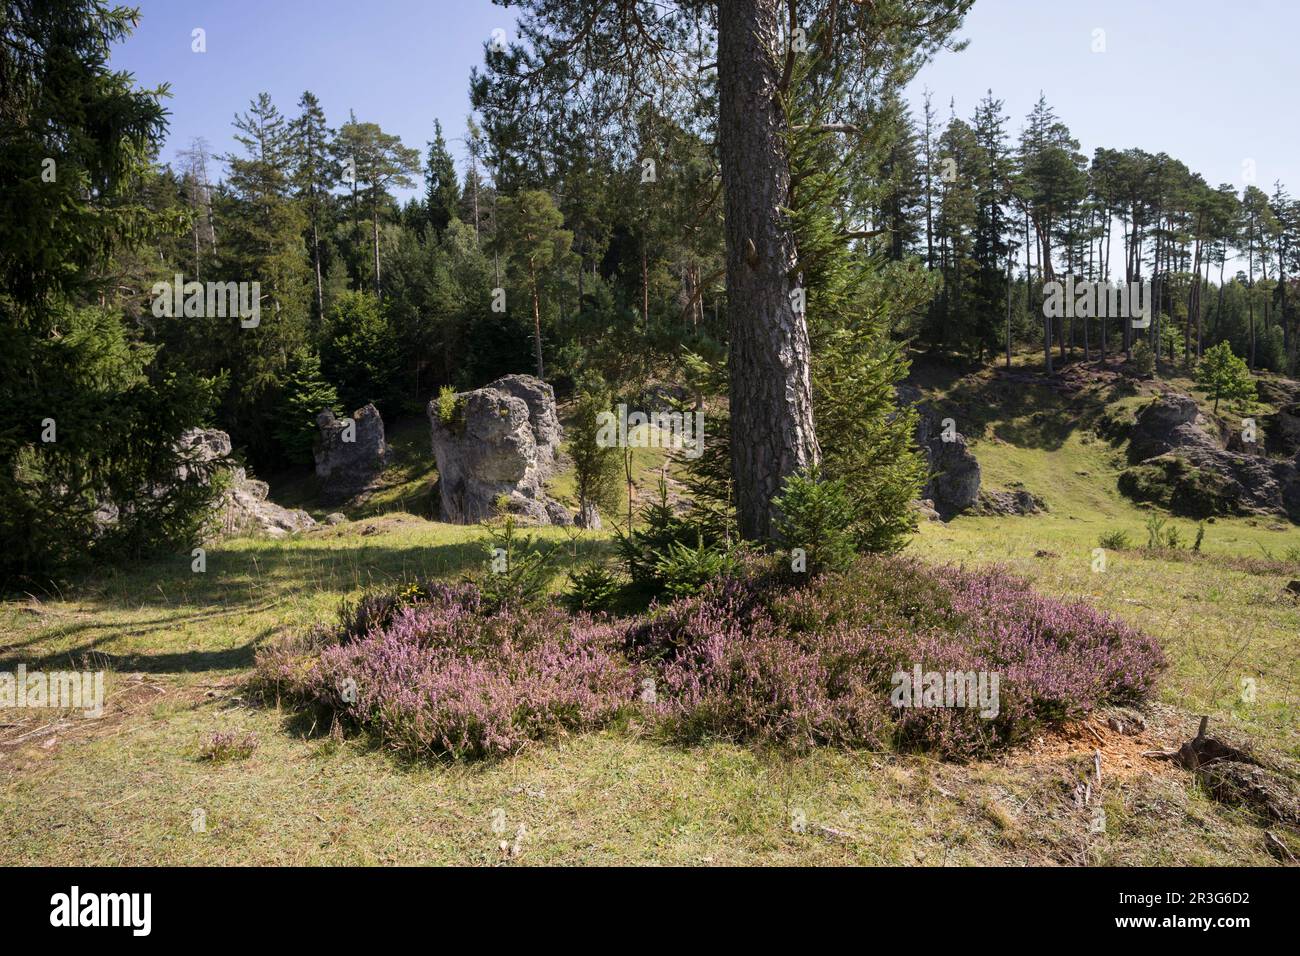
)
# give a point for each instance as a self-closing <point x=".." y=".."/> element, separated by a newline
<point x="320" y="286"/>
<point x="769" y="357"/>
<point x="537" y="321"/>
<point x="374" y="212"/>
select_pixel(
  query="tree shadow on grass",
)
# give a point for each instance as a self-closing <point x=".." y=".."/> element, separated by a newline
<point x="241" y="583"/>
<point x="89" y="656"/>
<point x="1026" y="413"/>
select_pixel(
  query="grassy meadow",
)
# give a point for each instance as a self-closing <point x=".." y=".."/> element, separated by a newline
<point x="177" y="646"/>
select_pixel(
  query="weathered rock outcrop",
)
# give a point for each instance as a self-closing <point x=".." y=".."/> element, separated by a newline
<point x="495" y="452"/>
<point x="542" y="417"/>
<point x="1012" y="501"/>
<point x="243" y="508"/>
<point x="1282" y="431"/>
<point x="954" y="481"/>
<point x="1179" y="464"/>
<point x="1173" y="421"/>
<point x="349" y="453"/>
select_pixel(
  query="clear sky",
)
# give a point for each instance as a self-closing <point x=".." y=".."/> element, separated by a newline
<point x="1211" y="82"/>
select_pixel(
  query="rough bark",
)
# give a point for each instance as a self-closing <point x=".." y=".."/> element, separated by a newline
<point x="769" y="357"/>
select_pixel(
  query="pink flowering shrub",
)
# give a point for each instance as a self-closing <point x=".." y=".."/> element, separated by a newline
<point x="441" y="677"/>
<point x="754" y="658"/>
<point x="813" y="665"/>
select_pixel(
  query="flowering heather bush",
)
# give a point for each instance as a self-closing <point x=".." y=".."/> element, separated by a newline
<point x="813" y="665"/>
<point x="754" y="657"/>
<point x="441" y="676"/>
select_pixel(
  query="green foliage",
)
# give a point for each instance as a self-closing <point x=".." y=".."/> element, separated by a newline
<point x="853" y="298"/>
<point x="1143" y="359"/>
<point x="1161" y="534"/>
<point x="669" y="551"/>
<point x="708" y="477"/>
<point x="68" y="364"/>
<point x="1171" y="340"/>
<point x="593" y="588"/>
<point x="1115" y="541"/>
<point x="1223" y="375"/>
<point x="660" y="527"/>
<point x="816" y="514"/>
<point x="596" y="468"/>
<point x="519" y="570"/>
<point x="451" y="410"/>
<point x="362" y="357"/>
<point x="443" y="189"/>
<point x="305" y="395"/>
<point x="681" y="570"/>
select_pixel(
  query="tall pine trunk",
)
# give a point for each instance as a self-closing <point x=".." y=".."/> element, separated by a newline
<point x="769" y="358"/>
<point x="537" y="320"/>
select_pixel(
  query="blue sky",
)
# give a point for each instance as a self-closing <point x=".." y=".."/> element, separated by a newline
<point x="1211" y="83"/>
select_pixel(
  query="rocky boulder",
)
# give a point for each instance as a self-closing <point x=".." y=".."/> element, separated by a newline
<point x="244" y="508"/>
<point x="1180" y="465"/>
<point x="1282" y="431"/>
<point x="954" y="482"/>
<point x="1012" y="501"/>
<point x="349" y="453"/>
<point x="1172" y="421"/>
<point x="543" y="420"/>
<point x="489" y="456"/>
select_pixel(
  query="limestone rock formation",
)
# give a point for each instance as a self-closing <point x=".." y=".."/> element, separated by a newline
<point x="1179" y="464"/>
<point x="1173" y="421"/>
<point x="495" y="452"/>
<point x="244" y="508"/>
<point x="954" y="482"/>
<point x="1012" y="501"/>
<point x="349" y="454"/>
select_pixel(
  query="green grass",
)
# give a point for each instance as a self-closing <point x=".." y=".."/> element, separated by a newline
<point x="122" y="790"/>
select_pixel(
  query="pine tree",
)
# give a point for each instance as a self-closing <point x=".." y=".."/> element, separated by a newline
<point x="442" y="195"/>
<point x="314" y="175"/>
<point x="90" y="442"/>
<point x="852" y="296"/>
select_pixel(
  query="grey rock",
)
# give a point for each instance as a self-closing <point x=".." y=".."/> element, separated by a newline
<point x="542" y="417"/>
<point x="490" y="455"/>
<point x="954" y="482"/>
<point x="1282" y="431"/>
<point x="1171" y="421"/>
<point x="245" y="510"/>
<point x="1242" y="481"/>
<point x="1013" y="501"/>
<point x="346" y="468"/>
